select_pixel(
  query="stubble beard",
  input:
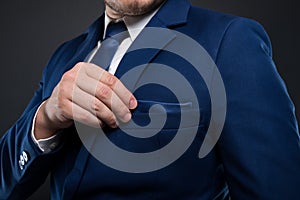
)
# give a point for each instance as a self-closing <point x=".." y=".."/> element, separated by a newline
<point x="134" y="8"/>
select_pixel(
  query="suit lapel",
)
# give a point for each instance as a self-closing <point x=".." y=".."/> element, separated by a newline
<point x="142" y="53"/>
<point x="94" y="32"/>
<point x="152" y="40"/>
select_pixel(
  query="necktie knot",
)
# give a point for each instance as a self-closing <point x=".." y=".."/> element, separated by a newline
<point x="117" y="31"/>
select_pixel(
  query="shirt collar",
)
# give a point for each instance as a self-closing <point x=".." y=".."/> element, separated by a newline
<point x="134" y="24"/>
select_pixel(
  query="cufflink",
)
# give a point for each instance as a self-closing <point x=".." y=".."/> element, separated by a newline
<point x="24" y="158"/>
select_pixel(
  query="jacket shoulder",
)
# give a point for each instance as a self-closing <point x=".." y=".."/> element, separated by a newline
<point x="209" y="27"/>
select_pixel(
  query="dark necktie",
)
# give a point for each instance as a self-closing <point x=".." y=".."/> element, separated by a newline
<point x="115" y="34"/>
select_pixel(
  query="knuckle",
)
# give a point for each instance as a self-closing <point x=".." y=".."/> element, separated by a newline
<point x="69" y="76"/>
<point x="97" y="106"/>
<point x="111" y="119"/>
<point x="79" y="65"/>
<point x="111" y="80"/>
<point x="63" y="90"/>
<point x="103" y="92"/>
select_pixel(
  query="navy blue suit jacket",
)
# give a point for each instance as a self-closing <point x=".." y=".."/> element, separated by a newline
<point x="256" y="157"/>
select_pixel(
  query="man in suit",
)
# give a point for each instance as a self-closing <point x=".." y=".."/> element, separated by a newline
<point x="256" y="157"/>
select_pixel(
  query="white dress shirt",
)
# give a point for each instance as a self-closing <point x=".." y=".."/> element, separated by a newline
<point x="134" y="25"/>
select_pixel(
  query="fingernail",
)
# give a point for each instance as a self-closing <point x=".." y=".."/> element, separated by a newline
<point x="127" y="117"/>
<point x="132" y="103"/>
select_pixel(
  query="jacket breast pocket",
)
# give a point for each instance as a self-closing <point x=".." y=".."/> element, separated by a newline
<point x="154" y="115"/>
<point x="159" y="122"/>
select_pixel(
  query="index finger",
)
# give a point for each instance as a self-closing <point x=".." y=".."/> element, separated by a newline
<point x="114" y="83"/>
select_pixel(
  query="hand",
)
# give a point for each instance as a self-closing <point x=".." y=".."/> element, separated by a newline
<point x="87" y="94"/>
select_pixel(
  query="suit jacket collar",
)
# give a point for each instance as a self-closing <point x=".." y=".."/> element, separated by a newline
<point x="172" y="13"/>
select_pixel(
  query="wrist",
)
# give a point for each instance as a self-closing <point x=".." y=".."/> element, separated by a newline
<point x="44" y="126"/>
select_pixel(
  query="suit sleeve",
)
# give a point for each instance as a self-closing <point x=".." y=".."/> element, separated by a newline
<point x="259" y="145"/>
<point x="24" y="167"/>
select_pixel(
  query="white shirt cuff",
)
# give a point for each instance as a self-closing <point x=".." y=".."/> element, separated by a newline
<point x="48" y="144"/>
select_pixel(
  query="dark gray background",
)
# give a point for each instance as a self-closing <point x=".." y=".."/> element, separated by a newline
<point x="31" y="30"/>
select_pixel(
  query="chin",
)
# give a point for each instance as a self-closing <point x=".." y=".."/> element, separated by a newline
<point x="133" y="7"/>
